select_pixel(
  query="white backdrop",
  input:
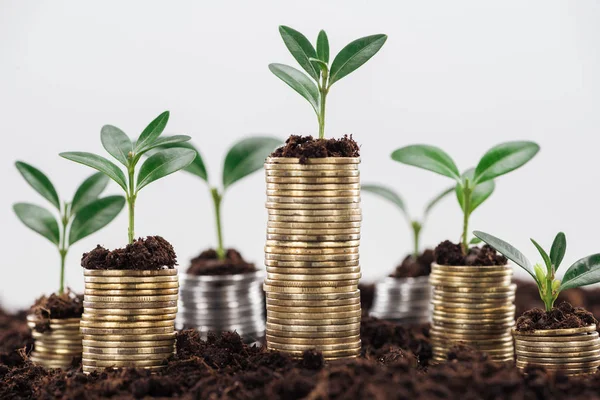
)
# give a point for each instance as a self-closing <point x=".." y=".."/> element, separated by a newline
<point x="463" y="75"/>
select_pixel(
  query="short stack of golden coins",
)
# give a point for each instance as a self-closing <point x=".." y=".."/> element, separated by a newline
<point x="311" y="255"/>
<point x="473" y="305"/>
<point x="129" y="318"/>
<point x="574" y="351"/>
<point x="56" y="347"/>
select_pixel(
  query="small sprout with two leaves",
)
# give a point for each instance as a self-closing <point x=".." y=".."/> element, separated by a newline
<point x="85" y="214"/>
<point x="243" y="158"/>
<point x="395" y="198"/>
<point x="585" y="271"/>
<point x="475" y="185"/>
<point x="315" y="86"/>
<point x="129" y="153"/>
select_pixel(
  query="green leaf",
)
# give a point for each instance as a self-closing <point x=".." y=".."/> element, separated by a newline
<point x="38" y="219"/>
<point x="504" y="158"/>
<point x="197" y="167"/>
<point x="301" y="49"/>
<point x="152" y="131"/>
<point x="116" y="143"/>
<point x="436" y="199"/>
<point x="39" y="181"/>
<point x="558" y="250"/>
<point x="354" y="55"/>
<point x="319" y="64"/>
<point x="508" y="251"/>
<point x="88" y="191"/>
<point x="163" y="163"/>
<point x="478" y="195"/>
<point x="323" y="47"/>
<point x="247" y="156"/>
<point x="544" y="256"/>
<point x="387" y="194"/>
<point x="98" y="163"/>
<point x="583" y="272"/>
<point x="299" y="82"/>
<point x="164" y="142"/>
<point x="475" y="241"/>
<point x="427" y="157"/>
<point x="95" y="216"/>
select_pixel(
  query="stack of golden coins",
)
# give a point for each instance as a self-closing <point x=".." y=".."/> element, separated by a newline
<point x="56" y="347"/>
<point x="574" y="351"/>
<point x="129" y="318"/>
<point x="311" y="255"/>
<point x="473" y="306"/>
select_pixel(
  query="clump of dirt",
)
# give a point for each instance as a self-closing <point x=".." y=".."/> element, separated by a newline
<point x="56" y="306"/>
<point x="208" y="263"/>
<point x="412" y="268"/>
<point x="562" y="317"/>
<point x="151" y="253"/>
<point x="448" y="253"/>
<point x="305" y="147"/>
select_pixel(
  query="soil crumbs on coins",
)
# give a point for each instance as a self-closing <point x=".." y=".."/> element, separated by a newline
<point x="565" y="316"/>
<point x="413" y="268"/>
<point x="448" y="253"/>
<point x="208" y="263"/>
<point x="305" y="147"/>
<point x="151" y="253"/>
<point x="56" y="306"/>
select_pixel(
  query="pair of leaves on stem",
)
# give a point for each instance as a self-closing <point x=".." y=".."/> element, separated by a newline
<point x="87" y="211"/>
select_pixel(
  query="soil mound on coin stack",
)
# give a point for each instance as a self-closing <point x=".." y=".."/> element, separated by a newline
<point x="56" y="306"/>
<point x="564" y="316"/>
<point x="154" y="252"/>
<point x="304" y="147"/>
<point x="412" y="268"/>
<point x="208" y="263"/>
<point x="448" y="253"/>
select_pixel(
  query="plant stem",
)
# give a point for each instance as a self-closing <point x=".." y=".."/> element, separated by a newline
<point x="131" y="196"/>
<point x="63" y="249"/>
<point x="549" y="300"/>
<point x="466" y="214"/>
<point x="217" y="199"/>
<point x="416" y="236"/>
<point x="324" y="90"/>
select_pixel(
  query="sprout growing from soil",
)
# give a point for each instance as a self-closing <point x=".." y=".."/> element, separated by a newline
<point x="475" y="185"/>
<point x="85" y="214"/>
<point x="585" y="271"/>
<point x="315" y="61"/>
<point x="243" y="158"/>
<point x="415" y="224"/>
<point x="129" y="153"/>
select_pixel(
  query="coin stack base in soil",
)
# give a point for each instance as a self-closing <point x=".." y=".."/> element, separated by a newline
<point x="406" y="301"/>
<point x="218" y="303"/>
<point x="129" y="318"/>
<point x="56" y="347"/>
<point x="574" y="351"/>
<point x="473" y="306"/>
<point x="311" y="256"/>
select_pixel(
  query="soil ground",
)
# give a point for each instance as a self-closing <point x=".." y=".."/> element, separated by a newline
<point x="151" y="253"/>
<point x="448" y="253"/>
<point x="412" y="268"/>
<point x="208" y="263"/>
<point x="305" y="147"/>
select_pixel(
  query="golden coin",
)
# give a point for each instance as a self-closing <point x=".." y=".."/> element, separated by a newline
<point x="307" y="180"/>
<point x="88" y="370"/>
<point x="55" y="337"/>
<point x="316" y="309"/>
<point x="457" y="318"/>
<point x="58" y="322"/>
<point x="319" y="347"/>
<point x="558" y="355"/>
<point x="447" y="284"/>
<point x="127" y="357"/>
<point x="130" y="299"/>
<point x="312" y="258"/>
<point x="583" y="364"/>
<point x="311" y="167"/>
<point x="310" y="251"/>
<point x="273" y="326"/>
<point x="354" y="294"/>
<point x="89" y="312"/>
<point x="142" y="324"/>
<point x="70" y="341"/>
<point x="314" y="271"/>
<point x="53" y="357"/>
<point x="129" y="318"/>
<point x="127" y="331"/>
<point x="316" y="160"/>
<point x="307" y="200"/>
<point x="273" y="238"/>
<point x="313" y="341"/>
<point x="309" y="225"/>
<point x="129" y="350"/>
<point x="161" y="292"/>
<point x="439" y="306"/>
<point x="129" y="272"/>
<point x="122" y="363"/>
<point x="441" y="338"/>
<point x="310" y="283"/>
<point x="478" y="295"/>
<point x="136" y="338"/>
<point x="311" y="277"/>
<point x="304" y="186"/>
<point x="316" y="213"/>
<point x="316" y="322"/>
<point x="496" y="291"/>
<point x="307" y="290"/>
<point x="321" y="194"/>
<point x="462" y="304"/>
<point x="505" y="350"/>
<point x="557" y="350"/>
<point x="313" y="315"/>
<point x="313" y="303"/>
<point x="132" y="286"/>
<point x="327" y="355"/>
<point x="59" y="328"/>
<point x="313" y="335"/>
<point x="566" y="342"/>
<point x="556" y="332"/>
<point x="313" y="173"/>
<point x="483" y="337"/>
<point x="74" y="351"/>
<point x="313" y="232"/>
<point x="312" y="265"/>
<point x="128" y="346"/>
<point x="481" y="331"/>
<point x="130" y="279"/>
<point x="146" y="305"/>
<point x="503" y="324"/>
<point x="474" y="270"/>
<point x="298" y="206"/>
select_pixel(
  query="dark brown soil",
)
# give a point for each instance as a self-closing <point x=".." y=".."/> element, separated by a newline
<point x="305" y="147"/>
<point x="562" y="317"/>
<point x="448" y="253"/>
<point x="207" y="263"/>
<point x="56" y="306"/>
<point x="412" y="268"/>
<point x="151" y="253"/>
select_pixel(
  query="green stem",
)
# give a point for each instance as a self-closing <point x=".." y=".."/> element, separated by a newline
<point x="323" y="89"/>
<point x="63" y="248"/>
<point x="131" y="197"/>
<point x="549" y="301"/>
<point x="416" y="236"/>
<point x="217" y="199"/>
<point x="466" y="214"/>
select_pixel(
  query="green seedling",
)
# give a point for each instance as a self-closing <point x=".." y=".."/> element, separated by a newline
<point x="315" y="86"/>
<point x="475" y="185"/>
<point x="243" y="158"/>
<point x="585" y="271"/>
<point x="129" y="153"/>
<point x="85" y="214"/>
<point x="396" y="199"/>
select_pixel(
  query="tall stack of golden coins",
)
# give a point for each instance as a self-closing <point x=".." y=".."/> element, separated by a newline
<point x="56" y="347"/>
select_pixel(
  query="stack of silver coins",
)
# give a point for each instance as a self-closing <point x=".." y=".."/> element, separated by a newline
<point x="473" y="306"/>
<point x="312" y="258"/>
<point x="129" y="318"/>
<point x="574" y="351"/>
<point x="56" y="347"/>
<point x="217" y="303"/>
<point x="403" y="300"/>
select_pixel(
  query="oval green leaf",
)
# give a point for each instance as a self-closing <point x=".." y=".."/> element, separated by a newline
<point x="504" y="158"/>
<point x="558" y="250"/>
<point x="98" y="163"/>
<point x="388" y="194"/>
<point x="299" y="82"/>
<point x="163" y="163"/>
<point x="508" y="250"/>
<point x="479" y="194"/>
<point x="116" y="143"/>
<point x="323" y="47"/>
<point x="301" y="49"/>
<point x="437" y="199"/>
<point x="39" y="181"/>
<point x="39" y="220"/>
<point x="247" y="156"/>
<point x="152" y="131"/>
<point x="427" y="157"/>
<point x="544" y="255"/>
<point x="165" y="142"/>
<point x="197" y="167"/>
<point x="95" y="216"/>
<point x="583" y="272"/>
<point x="88" y="191"/>
<point x="354" y="55"/>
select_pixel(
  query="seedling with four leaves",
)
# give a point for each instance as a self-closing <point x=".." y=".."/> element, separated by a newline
<point x="585" y="271"/>
<point x="85" y="214"/>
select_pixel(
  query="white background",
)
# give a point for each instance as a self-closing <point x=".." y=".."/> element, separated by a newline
<point x="463" y="75"/>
